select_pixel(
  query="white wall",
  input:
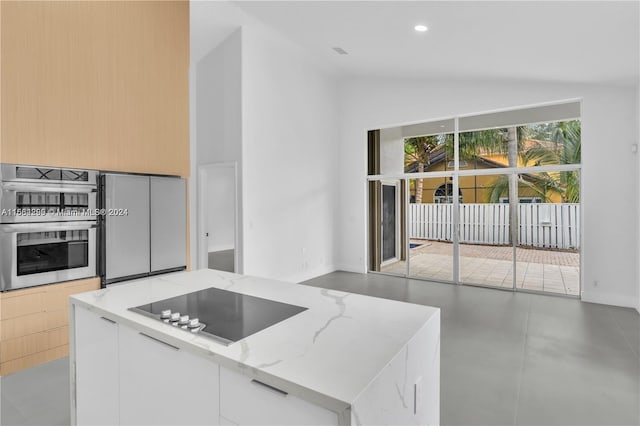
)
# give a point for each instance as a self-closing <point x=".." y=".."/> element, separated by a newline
<point x="218" y="111"/>
<point x="391" y="151"/>
<point x="290" y="160"/>
<point x="609" y="178"/>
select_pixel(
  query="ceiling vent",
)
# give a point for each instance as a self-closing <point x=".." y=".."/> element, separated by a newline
<point x="340" y="51"/>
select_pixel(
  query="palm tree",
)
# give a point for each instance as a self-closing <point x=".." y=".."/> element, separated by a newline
<point x="419" y="149"/>
<point x="565" y="149"/>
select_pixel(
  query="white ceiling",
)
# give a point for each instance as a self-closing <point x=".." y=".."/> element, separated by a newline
<point x="542" y="40"/>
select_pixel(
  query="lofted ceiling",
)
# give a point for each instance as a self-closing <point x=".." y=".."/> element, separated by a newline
<point x="596" y="42"/>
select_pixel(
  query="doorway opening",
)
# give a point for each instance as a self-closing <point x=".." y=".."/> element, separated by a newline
<point x="217" y="217"/>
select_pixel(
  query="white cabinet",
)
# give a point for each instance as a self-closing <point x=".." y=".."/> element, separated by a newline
<point x="96" y="355"/>
<point x="244" y="401"/>
<point x="124" y="377"/>
<point x="163" y="385"/>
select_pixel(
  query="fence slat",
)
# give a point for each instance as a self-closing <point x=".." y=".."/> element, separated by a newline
<point x="545" y="225"/>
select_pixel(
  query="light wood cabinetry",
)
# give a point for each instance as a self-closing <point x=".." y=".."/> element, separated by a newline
<point x="100" y="85"/>
<point x="34" y="323"/>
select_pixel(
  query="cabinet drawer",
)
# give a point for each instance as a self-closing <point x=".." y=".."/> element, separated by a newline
<point x="57" y="296"/>
<point x="23" y="304"/>
<point x="22" y="326"/>
<point x="246" y="402"/>
<point x="19" y="347"/>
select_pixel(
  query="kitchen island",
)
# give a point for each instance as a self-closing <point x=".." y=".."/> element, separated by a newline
<point x="346" y="359"/>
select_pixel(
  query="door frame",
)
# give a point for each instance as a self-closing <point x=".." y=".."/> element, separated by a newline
<point x="202" y="242"/>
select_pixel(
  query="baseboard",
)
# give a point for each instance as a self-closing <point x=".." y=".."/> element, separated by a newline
<point x="358" y="269"/>
<point x="611" y="299"/>
<point x="307" y="275"/>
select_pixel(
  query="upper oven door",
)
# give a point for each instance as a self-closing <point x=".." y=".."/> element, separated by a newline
<point x="42" y="253"/>
<point x="46" y="202"/>
<point x="46" y="194"/>
<point x="22" y="202"/>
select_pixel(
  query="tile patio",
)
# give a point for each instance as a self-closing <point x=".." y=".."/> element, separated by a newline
<point x="536" y="269"/>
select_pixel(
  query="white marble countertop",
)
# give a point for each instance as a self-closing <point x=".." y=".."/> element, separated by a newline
<point x="327" y="354"/>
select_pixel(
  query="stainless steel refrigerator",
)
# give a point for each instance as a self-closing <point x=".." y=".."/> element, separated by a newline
<point x="143" y="226"/>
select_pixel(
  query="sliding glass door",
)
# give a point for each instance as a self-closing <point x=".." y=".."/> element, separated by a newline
<point x="548" y="243"/>
<point x="486" y="248"/>
<point x="430" y="229"/>
<point x="480" y="200"/>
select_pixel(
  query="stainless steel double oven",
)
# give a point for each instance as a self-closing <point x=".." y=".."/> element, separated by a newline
<point x="47" y="225"/>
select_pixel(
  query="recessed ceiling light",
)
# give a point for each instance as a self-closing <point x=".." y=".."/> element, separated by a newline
<point x="420" y="28"/>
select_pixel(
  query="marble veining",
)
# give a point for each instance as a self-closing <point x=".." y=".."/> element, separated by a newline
<point x="328" y="354"/>
<point x="341" y="309"/>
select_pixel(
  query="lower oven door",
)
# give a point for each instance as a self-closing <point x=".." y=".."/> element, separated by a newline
<point x="33" y="254"/>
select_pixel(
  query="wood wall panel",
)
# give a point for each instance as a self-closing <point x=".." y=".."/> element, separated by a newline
<point x="100" y="85"/>
<point x="34" y="323"/>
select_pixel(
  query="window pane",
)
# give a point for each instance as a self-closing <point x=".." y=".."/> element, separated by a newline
<point x="547" y="254"/>
<point x="429" y="152"/>
<point x="486" y="252"/>
<point x="430" y="227"/>
<point x="549" y="143"/>
<point x="522" y="146"/>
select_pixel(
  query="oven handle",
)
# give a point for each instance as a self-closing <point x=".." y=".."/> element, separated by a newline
<point x="15" y="228"/>
<point x="49" y="187"/>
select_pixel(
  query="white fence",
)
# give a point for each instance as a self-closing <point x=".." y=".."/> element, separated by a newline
<point x="540" y="225"/>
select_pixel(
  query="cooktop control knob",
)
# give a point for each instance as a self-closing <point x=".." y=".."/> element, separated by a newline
<point x="194" y="323"/>
<point x="165" y="314"/>
<point x="175" y="316"/>
<point x="184" y="320"/>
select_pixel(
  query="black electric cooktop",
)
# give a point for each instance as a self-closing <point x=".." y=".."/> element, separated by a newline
<point x="223" y="315"/>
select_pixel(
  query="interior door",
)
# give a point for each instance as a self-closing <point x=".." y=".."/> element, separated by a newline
<point x="390" y="222"/>
<point x="218" y="216"/>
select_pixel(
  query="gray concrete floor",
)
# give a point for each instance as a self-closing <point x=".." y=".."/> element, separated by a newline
<point x="522" y="359"/>
<point x="37" y="396"/>
<point x="506" y="358"/>
<point x="222" y="260"/>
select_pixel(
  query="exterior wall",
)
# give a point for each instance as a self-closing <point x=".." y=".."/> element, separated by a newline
<point x="475" y="189"/>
